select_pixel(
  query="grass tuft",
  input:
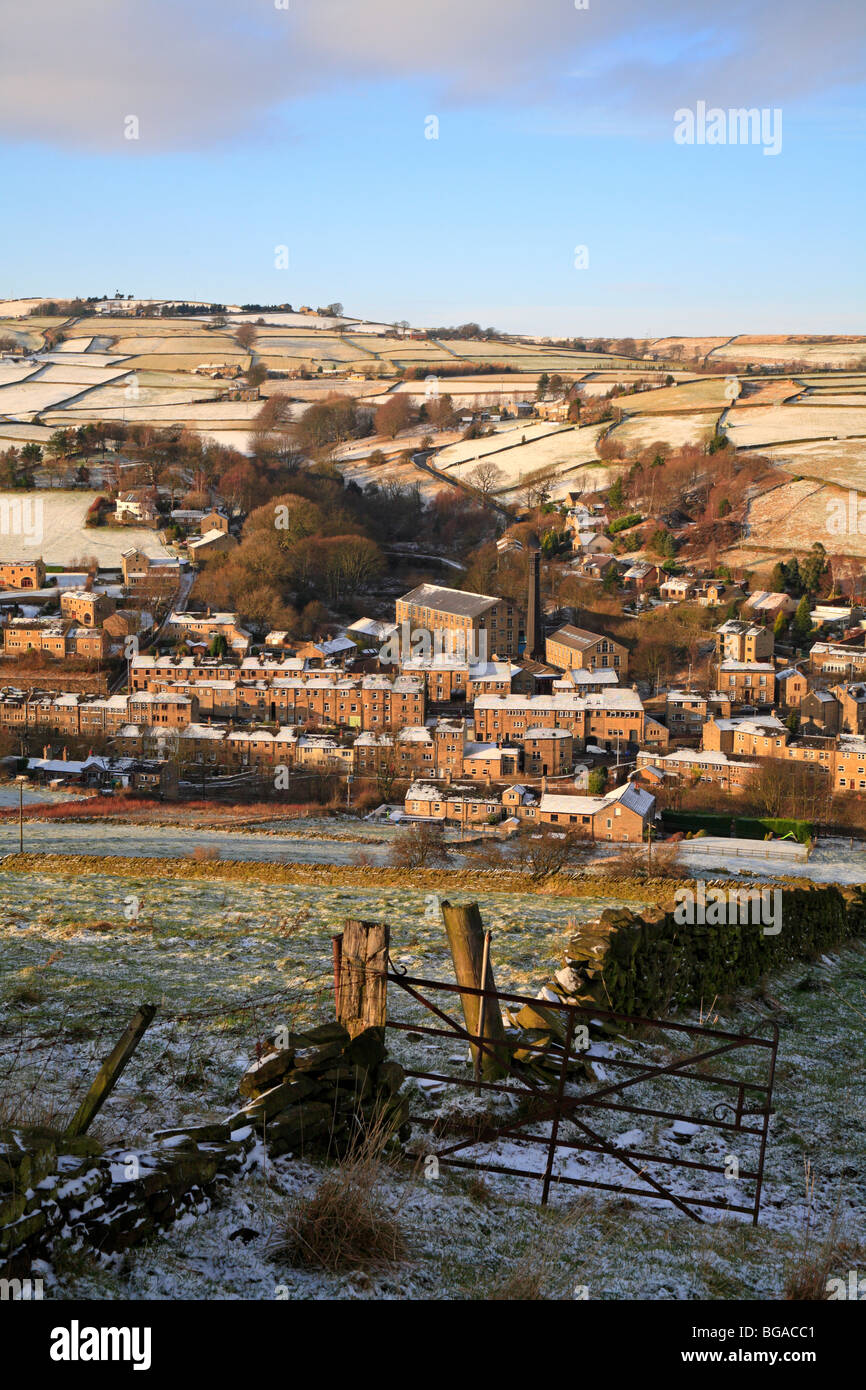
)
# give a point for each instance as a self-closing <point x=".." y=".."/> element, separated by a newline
<point x="345" y="1224"/>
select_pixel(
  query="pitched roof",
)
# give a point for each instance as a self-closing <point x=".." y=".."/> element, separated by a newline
<point x="577" y="637"/>
<point x="454" y="601"/>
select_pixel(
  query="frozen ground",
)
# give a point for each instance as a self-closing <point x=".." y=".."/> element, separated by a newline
<point x="344" y="840"/>
<point x="32" y="796"/>
<point x="143" y="841"/>
<point x="68" y="956"/>
<point x="819" y="354"/>
<point x="776" y="424"/>
<point x="84" y="949"/>
<point x="559" y="449"/>
<point x="639" y="431"/>
<point x="53" y="527"/>
<point x="833" y="860"/>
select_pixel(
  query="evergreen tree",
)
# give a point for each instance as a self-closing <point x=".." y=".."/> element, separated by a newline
<point x="616" y="495"/>
<point x="801" y="627"/>
<point x="813" y="567"/>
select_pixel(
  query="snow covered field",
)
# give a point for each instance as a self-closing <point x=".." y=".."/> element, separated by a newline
<point x="833" y="860"/>
<point x="555" y="448"/>
<point x="817" y="354"/>
<point x="54" y="528"/>
<point x="208" y="950"/>
<point x="834" y="461"/>
<point x="466" y="452"/>
<point x="57" y="837"/>
<point x="639" y="431"/>
<point x="775" y="424"/>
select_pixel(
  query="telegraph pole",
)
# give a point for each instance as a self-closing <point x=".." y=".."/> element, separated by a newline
<point x="20" y="815"/>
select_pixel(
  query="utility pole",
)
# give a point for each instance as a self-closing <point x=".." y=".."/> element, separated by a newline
<point x="20" y="817"/>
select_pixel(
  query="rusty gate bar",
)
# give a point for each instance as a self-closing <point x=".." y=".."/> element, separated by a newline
<point x="556" y="1105"/>
<point x="397" y="978"/>
<point x="766" y="1118"/>
<point x="560" y="1092"/>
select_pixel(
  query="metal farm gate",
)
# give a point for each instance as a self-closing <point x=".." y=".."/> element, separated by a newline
<point x="743" y="1110"/>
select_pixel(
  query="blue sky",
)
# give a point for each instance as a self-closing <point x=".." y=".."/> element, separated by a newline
<point x="261" y="128"/>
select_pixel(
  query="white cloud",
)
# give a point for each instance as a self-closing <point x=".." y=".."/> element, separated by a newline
<point x="197" y="74"/>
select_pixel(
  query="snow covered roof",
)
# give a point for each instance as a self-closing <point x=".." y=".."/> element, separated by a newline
<point x="334" y="645"/>
<point x="488" y="750"/>
<point x="444" y="600"/>
<point x="634" y="798"/>
<point x="415" y="733"/>
<point x="620" y="700"/>
<point x="372" y="627"/>
<point x="69" y="765"/>
<point x="705" y="757"/>
<point x="758" y="724"/>
<point x="197" y="542"/>
<point x="735" y="627"/>
<point x="757" y="666"/>
<point x="580" y="676"/>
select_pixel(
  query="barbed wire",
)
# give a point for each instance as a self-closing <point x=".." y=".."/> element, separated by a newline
<point x="186" y="1060"/>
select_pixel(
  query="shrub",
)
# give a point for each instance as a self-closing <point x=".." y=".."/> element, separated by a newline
<point x="622" y="523"/>
<point x="638" y="864"/>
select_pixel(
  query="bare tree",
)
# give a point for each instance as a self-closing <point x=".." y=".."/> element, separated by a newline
<point x="420" y="846"/>
<point x="485" y="477"/>
<point x="801" y="791"/>
<point x="386" y="776"/>
<point x="541" y="854"/>
<point x="395" y="415"/>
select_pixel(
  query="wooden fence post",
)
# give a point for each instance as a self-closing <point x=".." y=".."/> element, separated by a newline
<point x="337" y="948"/>
<point x="362" y="999"/>
<point x="109" y="1073"/>
<point x="466" y="939"/>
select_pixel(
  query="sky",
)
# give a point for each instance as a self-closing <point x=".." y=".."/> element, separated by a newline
<point x="526" y="164"/>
